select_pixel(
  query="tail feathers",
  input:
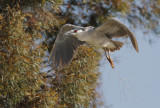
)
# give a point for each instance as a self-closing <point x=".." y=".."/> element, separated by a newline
<point x="133" y="40"/>
<point x="63" y="52"/>
<point x="117" y="44"/>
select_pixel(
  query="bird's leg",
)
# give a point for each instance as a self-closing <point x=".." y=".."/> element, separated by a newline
<point x="109" y="58"/>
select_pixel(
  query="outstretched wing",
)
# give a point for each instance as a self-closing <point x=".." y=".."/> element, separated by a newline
<point x="63" y="50"/>
<point x="113" y="28"/>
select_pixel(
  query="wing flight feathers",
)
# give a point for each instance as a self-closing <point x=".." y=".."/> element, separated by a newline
<point x="113" y="28"/>
<point x="63" y="51"/>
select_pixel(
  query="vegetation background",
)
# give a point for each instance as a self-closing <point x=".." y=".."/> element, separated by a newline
<point x="28" y="30"/>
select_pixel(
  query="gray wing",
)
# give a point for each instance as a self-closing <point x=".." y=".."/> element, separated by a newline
<point x="113" y="28"/>
<point x="63" y="50"/>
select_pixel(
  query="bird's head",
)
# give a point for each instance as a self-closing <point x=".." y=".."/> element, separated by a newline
<point x="79" y="29"/>
<point x="73" y="29"/>
<point x="69" y="28"/>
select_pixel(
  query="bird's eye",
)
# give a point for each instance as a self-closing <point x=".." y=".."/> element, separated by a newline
<point x="75" y="31"/>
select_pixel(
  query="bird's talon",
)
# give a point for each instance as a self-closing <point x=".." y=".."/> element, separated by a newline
<point x="111" y="62"/>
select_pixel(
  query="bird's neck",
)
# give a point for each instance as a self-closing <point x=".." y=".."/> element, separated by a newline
<point x="83" y="36"/>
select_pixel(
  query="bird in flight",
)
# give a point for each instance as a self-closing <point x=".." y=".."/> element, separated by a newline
<point x="70" y="37"/>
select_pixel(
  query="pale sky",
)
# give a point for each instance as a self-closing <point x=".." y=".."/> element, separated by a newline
<point x="135" y="81"/>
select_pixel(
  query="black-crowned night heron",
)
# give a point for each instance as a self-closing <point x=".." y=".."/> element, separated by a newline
<point x="70" y="37"/>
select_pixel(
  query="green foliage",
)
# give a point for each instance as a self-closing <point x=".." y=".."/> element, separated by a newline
<point x="20" y="60"/>
<point x="25" y="3"/>
<point x="21" y="57"/>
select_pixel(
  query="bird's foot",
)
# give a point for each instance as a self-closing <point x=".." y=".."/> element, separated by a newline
<point x="111" y="62"/>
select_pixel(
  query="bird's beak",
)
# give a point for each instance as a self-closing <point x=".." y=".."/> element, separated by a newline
<point x="88" y="28"/>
